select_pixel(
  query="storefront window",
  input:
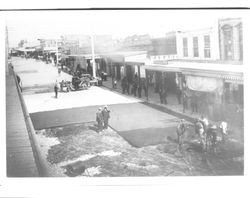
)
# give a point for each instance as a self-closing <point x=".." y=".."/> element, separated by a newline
<point x="195" y="47"/>
<point x="240" y="42"/>
<point x="207" y="46"/>
<point x="233" y="93"/>
<point x="185" y="47"/>
<point x="228" y="42"/>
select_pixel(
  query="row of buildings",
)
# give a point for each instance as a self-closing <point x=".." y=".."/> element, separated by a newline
<point x="206" y="62"/>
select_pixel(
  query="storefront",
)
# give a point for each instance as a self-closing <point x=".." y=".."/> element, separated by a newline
<point x="216" y="89"/>
<point x="220" y="92"/>
<point x="161" y="77"/>
<point x="121" y="64"/>
<point x="83" y="63"/>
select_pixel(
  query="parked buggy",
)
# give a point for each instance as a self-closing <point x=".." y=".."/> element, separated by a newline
<point x="81" y="82"/>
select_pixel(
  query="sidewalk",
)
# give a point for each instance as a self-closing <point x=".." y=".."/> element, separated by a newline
<point x="20" y="156"/>
<point x="172" y="107"/>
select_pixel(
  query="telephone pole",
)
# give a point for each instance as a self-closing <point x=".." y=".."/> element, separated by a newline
<point x="93" y="55"/>
<point x="6" y="50"/>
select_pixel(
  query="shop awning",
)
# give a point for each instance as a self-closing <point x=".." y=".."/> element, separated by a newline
<point x="233" y="79"/>
<point x="204" y="84"/>
<point x="162" y="68"/>
<point x="86" y="56"/>
<point x="228" y="72"/>
<point x="139" y="58"/>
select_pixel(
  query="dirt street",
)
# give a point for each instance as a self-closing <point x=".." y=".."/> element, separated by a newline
<point x="107" y="154"/>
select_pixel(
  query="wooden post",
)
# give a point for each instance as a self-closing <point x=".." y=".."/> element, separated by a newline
<point x="112" y="72"/>
<point x="125" y="69"/>
<point x="147" y="82"/>
<point x="139" y="73"/>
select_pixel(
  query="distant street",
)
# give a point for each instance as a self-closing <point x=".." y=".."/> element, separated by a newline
<point x="36" y="76"/>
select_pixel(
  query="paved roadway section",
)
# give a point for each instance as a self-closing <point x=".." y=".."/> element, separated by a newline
<point x="139" y="124"/>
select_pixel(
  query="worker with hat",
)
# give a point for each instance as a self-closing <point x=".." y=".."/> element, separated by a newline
<point x="106" y="116"/>
<point x="99" y="119"/>
<point x="181" y="129"/>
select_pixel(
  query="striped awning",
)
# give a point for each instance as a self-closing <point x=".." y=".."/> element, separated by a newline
<point x="233" y="79"/>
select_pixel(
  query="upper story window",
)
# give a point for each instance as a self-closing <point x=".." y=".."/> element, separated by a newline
<point x="228" y="42"/>
<point x="195" y="46"/>
<point x="207" y="53"/>
<point x="240" y="41"/>
<point x="185" y="47"/>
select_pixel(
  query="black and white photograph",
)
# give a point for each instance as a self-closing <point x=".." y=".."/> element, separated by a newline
<point x="109" y="93"/>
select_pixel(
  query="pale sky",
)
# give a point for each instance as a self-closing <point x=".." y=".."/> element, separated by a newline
<point x="32" y="25"/>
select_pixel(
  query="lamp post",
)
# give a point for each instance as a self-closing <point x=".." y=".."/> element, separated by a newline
<point x="93" y="55"/>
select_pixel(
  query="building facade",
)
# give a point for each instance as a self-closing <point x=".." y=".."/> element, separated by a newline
<point x="198" y="44"/>
<point x="207" y="67"/>
<point x="164" y="49"/>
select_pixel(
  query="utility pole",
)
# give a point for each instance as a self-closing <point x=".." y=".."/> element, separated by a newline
<point x="6" y="50"/>
<point x="93" y="55"/>
<point x="56" y="53"/>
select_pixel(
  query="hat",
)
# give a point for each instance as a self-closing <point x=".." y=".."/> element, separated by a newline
<point x="106" y="106"/>
<point x="99" y="108"/>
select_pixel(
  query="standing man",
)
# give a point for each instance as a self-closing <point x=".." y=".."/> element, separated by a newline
<point x="211" y="138"/>
<point x="128" y="87"/>
<point x="185" y="101"/>
<point x="106" y="116"/>
<point x="56" y="87"/>
<point x="115" y="84"/>
<point x="123" y="84"/>
<point x="99" y="119"/>
<point x="135" y="87"/>
<point x="164" y="96"/>
<point x="139" y="90"/>
<point x="161" y="95"/>
<point x="204" y="122"/>
<point x="181" y="129"/>
<point x="194" y="103"/>
<point x="19" y="82"/>
<point x="223" y="130"/>
<point x="145" y="89"/>
<point x="199" y="130"/>
<point x="178" y="94"/>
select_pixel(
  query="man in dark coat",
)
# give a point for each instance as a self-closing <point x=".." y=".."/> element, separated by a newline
<point x="181" y="129"/>
<point x="164" y="96"/>
<point x="124" y="84"/>
<point x="161" y="95"/>
<point x="99" y="119"/>
<point x="128" y="87"/>
<point x="145" y="89"/>
<point x="194" y="103"/>
<point x="185" y="101"/>
<point x="199" y="130"/>
<point x="106" y="116"/>
<point x="139" y="90"/>
<point x="19" y="82"/>
<point x="178" y="94"/>
<point x="135" y="87"/>
<point x="56" y="87"/>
